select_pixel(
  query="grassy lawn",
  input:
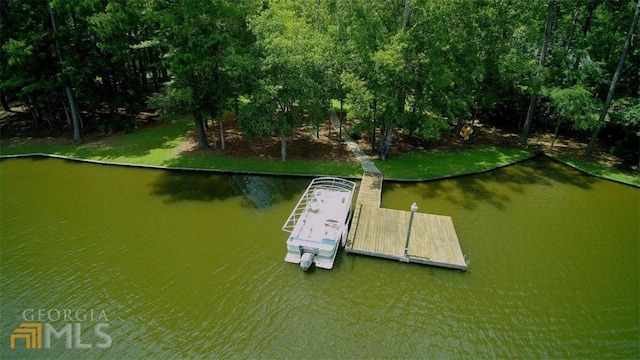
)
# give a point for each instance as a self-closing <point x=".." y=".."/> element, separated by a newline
<point x="151" y="146"/>
<point x="435" y="164"/>
<point x="349" y="169"/>
<point x="624" y="177"/>
<point x="159" y="146"/>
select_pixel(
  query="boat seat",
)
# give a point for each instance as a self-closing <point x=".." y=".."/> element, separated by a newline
<point x="328" y="241"/>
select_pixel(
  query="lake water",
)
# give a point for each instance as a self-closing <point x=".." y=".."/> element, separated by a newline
<point x="121" y="263"/>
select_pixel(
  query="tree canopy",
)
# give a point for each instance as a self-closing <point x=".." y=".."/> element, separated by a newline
<point x="418" y="66"/>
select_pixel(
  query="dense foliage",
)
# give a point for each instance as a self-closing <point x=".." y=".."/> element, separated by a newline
<point x="422" y="66"/>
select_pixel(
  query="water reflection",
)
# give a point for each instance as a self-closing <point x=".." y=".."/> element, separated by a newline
<point x="553" y="275"/>
<point x="259" y="192"/>
<point x="497" y="187"/>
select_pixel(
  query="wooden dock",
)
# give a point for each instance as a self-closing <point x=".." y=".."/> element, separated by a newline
<point x="380" y="232"/>
<point x="370" y="192"/>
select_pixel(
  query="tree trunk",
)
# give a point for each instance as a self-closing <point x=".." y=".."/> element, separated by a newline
<point x="221" y="134"/>
<point x="202" y="135"/>
<point x="399" y="95"/>
<point x="72" y="102"/>
<point x="373" y="139"/>
<point x="213" y="122"/>
<point x="592" y="142"/>
<point x="35" y="113"/>
<point x="66" y="112"/>
<point x="405" y="14"/>
<point x="341" y="114"/>
<point x="134" y="68"/>
<point x="283" y="146"/>
<point x="5" y="104"/>
<point x="236" y="107"/>
<point x="543" y="53"/>
<point x="374" y="144"/>
<point x="585" y="29"/>
<point x="380" y="142"/>
<point x="386" y="144"/>
<point x="400" y="102"/>
<point x="153" y="67"/>
<point x="143" y="69"/>
<point x="533" y="104"/>
<point x="614" y="82"/>
<point x="213" y="136"/>
<point x="75" y="119"/>
<point x="215" y="114"/>
<point x="555" y="134"/>
<point x="574" y="26"/>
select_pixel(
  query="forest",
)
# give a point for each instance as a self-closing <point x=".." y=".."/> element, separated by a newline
<point x="420" y="66"/>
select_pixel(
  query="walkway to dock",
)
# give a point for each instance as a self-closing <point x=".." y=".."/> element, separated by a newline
<point x="391" y="234"/>
<point x="367" y="165"/>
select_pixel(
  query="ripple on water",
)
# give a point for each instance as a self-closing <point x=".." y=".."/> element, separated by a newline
<point x="552" y="271"/>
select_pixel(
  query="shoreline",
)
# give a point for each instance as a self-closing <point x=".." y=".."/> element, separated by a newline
<point x="157" y="167"/>
<point x="264" y="173"/>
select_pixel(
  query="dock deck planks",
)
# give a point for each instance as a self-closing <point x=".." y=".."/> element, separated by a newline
<point x="370" y="192"/>
<point x="381" y="232"/>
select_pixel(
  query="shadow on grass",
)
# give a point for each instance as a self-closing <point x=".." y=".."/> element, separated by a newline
<point x="497" y="187"/>
<point x="149" y="145"/>
<point x="258" y="192"/>
<point x="138" y="144"/>
<point x="257" y="165"/>
<point x="434" y="164"/>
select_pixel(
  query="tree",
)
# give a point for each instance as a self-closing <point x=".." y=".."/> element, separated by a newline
<point x="403" y="66"/>
<point x="127" y="52"/>
<point x="575" y="103"/>
<point x="67" y="85"/>
<point x="378" y="75"/>
<point x="293" y="67"/>
<point x="199" y="38"/>
<point x="100" y="50"/>
<point x="543" y="53"/>
<point x="339" y="59"/>
<point x="29" y="67"/>
<point x="454" y="47"/>
<point x="614" y="82"/>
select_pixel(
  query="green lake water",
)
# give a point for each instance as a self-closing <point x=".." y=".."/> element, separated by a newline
<point x="158" y="264"/>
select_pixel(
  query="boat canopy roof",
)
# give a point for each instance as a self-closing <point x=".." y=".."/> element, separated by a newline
<point x="312" y="198"/>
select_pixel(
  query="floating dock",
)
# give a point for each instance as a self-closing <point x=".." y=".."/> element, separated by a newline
<point x="380" y="232"/>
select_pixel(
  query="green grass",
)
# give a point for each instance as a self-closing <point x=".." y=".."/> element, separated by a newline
<point x="435" y="164"/>
<point x="151" y="146"/>
<point x="607" y="173"/>
<point x="350" y="169"/>
<point x="159" y="146"/>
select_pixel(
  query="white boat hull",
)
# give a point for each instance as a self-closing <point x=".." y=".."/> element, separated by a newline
<point x="324" y="262"/>
<point x="319" y="222"/>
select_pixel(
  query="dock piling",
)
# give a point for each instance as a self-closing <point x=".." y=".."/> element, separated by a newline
<point x="414" y="208"/>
